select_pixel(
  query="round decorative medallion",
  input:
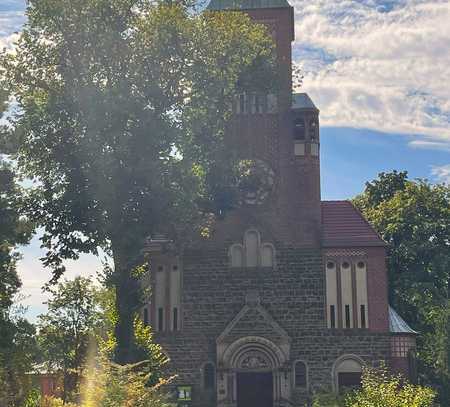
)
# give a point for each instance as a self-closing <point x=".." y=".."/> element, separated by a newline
<point x="256" y="180"/>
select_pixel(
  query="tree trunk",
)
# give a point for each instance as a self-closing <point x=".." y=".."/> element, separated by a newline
<point x="127" y="305"/>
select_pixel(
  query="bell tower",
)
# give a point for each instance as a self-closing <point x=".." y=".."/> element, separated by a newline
<point x="280" y="132"/>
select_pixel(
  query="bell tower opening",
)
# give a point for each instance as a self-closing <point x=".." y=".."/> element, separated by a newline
<point x="254" y="389"/>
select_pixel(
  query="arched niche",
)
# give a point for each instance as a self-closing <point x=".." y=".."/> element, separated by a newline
<point x="347" y="371"/>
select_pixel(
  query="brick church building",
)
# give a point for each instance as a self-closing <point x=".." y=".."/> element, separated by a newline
<point x="289" y="295"/>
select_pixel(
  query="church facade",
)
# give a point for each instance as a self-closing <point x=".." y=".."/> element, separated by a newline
<point x="289" y="295"/>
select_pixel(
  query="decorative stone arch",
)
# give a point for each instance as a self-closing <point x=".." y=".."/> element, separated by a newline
<point x="345" y="363"/>
<point x="272" y="357"/>
<point x="252" y="354"/>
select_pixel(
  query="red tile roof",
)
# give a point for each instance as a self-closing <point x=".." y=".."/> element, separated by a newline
<point x="344" y="226"/>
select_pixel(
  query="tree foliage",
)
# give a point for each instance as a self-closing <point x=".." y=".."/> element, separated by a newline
<point x="17" y="345"/>
<point x="122" y="110"/>
<point x="413" y="217"/>
<point x="67" y="330"/>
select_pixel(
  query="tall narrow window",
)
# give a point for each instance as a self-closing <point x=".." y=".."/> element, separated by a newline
<point x="271" y="103"/>
<point x="347" y="316"/>
<point x="251" y="248"/>
<point x="361" y="294"/>
<point x="362" y="313"/>
<point x="300" y="374"/>
<point x="209" y="376"/>
<point x="175" y="319"/>
<point x="332" y="317"/>
<point x="331" y="283"/>
<point x="145" y="316"/>
<point x="313" y="130"/>
<point x="299" y="129"/>
<point x="160" y="319"/>
<point x="242" y="104"/>
<point x="160" y="296"/>
<point x="175" y="297"/>
<point x="347" y="295"/>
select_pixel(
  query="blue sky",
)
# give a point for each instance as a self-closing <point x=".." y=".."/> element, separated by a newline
<point x="379" y="71"/>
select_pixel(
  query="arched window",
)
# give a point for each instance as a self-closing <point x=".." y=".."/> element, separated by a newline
<point x="313" y="130"/>
<point x="237" y="255"/>
<point x="267" y="255"/>
<point x="299" y="129"/>
<point x="347" y="295"/>
<point x="361" y="294"/>
<point x="348" y="372"/>
<point x="251" y="244"/>
<point x="253" y="253"/>
<point x="209" y="376"/>
<point x="331" y="279"/>
<point x="300" y="374"/>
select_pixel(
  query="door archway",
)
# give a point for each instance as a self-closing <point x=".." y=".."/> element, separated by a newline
<point x="254" y="376"/>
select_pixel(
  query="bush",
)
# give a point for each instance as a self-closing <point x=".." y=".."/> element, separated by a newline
<point x="111" y="385"/>
<point x="380" y="389"/>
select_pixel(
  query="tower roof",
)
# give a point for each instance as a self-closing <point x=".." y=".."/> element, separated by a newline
<point x="246" y="4"/>
<point x="397" y="324"/>
<point x="303" y="101"/>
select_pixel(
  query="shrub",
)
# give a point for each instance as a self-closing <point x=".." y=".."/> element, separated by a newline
<point x="381" y="389"/>
<point x="111" y="385"/>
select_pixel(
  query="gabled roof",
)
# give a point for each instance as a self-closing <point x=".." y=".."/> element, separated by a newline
<point x="344" y="226"/>
<point x="302" y="101"/>
<point x="397" y="324"/>
<point x="246" y="4"/>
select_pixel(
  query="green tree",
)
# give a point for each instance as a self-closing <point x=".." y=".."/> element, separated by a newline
<point x="122" y="110"/>
<point x="17" y="345"/>
<point x="67" y="330"/>
<point x="413" y="217"/>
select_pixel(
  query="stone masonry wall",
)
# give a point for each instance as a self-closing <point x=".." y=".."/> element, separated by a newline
<point x="292" y="293"/>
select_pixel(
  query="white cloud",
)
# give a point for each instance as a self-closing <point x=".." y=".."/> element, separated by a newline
<point x="442" y="173"/>
<point x="378" y="65"/>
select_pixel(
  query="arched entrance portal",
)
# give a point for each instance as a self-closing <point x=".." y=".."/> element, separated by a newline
<point x="254" y="379"/>
<point x="252" y="374"/>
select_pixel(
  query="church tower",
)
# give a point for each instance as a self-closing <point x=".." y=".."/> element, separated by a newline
<point x="280" y="133"/>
